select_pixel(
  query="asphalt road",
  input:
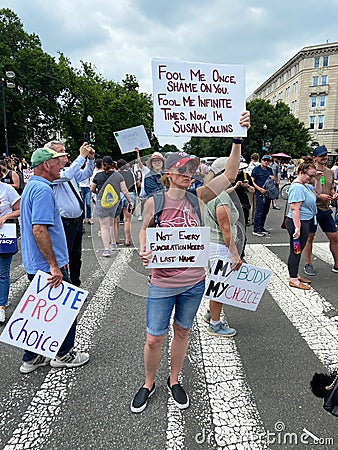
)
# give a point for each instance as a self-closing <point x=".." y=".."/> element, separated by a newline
<point x="247" y="392"/>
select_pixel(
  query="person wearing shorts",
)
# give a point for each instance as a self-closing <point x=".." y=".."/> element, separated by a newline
<point x="179" y="289"/>
<point x="325" y="193"/>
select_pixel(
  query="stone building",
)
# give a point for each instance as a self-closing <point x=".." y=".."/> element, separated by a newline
<point x="308" y="84"/>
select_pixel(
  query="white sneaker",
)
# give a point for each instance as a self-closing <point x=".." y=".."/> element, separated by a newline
<point x="70" y="360"/>
<point x="106" y="253"/>
<point x="2" y="315"/>
<point x="30" y="366"/>
<point x="140" y="218"/>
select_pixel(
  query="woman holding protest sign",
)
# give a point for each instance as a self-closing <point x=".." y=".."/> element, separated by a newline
<point x="9" y="209"/>
<point x="222" y="216"/>
<point x="179" y="288"/>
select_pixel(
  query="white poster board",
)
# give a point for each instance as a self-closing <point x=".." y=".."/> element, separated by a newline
<point x="198" y="99"/>
<point x="133" y="137"/>
<point x="8" y="239"/>
<point x="242" y="288"/>
<point x="44" y="316"/>
<point x="178" y="247"/>
<point x="27" y="173"/>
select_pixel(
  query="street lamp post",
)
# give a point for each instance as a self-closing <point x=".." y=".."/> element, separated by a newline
<point x="6" y="81"/>
<point x="265" y="127"/>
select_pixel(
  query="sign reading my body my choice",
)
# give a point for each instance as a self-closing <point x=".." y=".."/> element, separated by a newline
<point x="243" y="288"/>
<point x="178" y="247"/>
<point x="197" y="99"/>
<point x="44" y="316"/>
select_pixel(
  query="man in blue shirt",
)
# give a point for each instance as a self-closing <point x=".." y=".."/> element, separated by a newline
<point x="44" y="247"/>
<point x="259" y="176"/>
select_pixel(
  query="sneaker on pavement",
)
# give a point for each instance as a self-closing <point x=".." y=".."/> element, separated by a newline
<point x="106" y="253"/>
<point x="140" y="218"/>
<point x="334" y="269"/>
<point x="207" y="316"/>
<point x="113" y="247"/>
<point x="180" y="397"/>
<point x="258" y="233"/>
<point x="265" y="231"/>
<point x="30" y="366"/>
<point x="2" y="315"/>
<point x="140" y="401"/>
<point x="221" y="330"/>
<point x="308" y="269"/>
<point x="70" y="360"/>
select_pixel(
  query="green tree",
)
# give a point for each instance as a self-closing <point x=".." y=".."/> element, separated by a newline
<point x="32" y="108"/>
<point x="283" y="131"/>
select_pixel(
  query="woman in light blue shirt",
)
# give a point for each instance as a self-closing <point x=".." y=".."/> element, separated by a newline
<point x="302" y="202"/>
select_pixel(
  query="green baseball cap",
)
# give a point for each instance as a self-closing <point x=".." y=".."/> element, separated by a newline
<point x="41" y="155"/>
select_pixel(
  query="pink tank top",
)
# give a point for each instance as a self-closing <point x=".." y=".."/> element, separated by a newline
<point x="177" y="213"/>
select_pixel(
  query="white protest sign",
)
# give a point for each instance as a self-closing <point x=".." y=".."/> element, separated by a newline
<point x="197" y="99"/>
<point x="132" y="137"/>
<point x="242" y="288"/>
<point x="178" y="246"/>
<point x="8" y="240"/>
<point x="44" y="316"/>
<point x="27" y="173"/>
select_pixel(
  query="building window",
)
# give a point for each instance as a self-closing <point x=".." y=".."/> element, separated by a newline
<point x="315" y="81"/>
<point x="325" y="61"/>
<point x="313" y="102"/>
<point x="293" y="106"/>
<point x="316" y="62"/>
<point x="287" y="92"/>
<point x="295" y="87"/>
<point x="323" y="80"/>
<point x="320" y="122"/>
<point x="322" y="100"/>
<point x="296" y="69"/>
<point x="312" y="122"/>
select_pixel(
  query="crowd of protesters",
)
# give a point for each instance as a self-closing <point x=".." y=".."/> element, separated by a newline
<point x="109" y="192"/>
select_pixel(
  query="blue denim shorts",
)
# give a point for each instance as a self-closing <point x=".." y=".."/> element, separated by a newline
<point x="161" y="302"/>
<point x="124" y="201"/>
<point x="325" y="221"/>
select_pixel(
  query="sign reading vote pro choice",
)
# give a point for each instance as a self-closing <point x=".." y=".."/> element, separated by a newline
<point x="178" y="246"/>
<point x="197" y="99"/>
<point x="243" y="288"/>
<point x="44" y="316"/>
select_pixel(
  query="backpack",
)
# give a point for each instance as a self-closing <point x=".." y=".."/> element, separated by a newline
<point x="272" y="190"/>
<point x="191" y="195"/>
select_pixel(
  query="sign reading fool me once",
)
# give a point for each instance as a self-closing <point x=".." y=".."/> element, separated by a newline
<point x="197" y="99"/>
<point x="44" y="316"/>
<point x="243" y="288"/>
<point x="178" y="247"/>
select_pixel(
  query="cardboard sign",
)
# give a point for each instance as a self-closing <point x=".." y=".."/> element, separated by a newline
<point x="27" y="173"/>
<point x="44" y="316"/>
<point x="132" y="137"/>
<point x="8" y="241"/>
<point x="242" y="288"/>
<point x="197" y="99"/>
<point x="178" y="246"/>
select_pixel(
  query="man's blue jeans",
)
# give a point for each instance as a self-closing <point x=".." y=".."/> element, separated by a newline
<point x="69" y="340"/>
<point x="5" y="265"/>
<point x="262" y="209"/>
<point x="85" y="193"/>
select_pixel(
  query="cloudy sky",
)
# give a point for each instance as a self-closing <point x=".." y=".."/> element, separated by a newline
<point x="122" y="36"/>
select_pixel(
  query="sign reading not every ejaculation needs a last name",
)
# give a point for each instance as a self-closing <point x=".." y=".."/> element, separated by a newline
<point x="178" y="247"/>
<point x="198" y="99"/>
